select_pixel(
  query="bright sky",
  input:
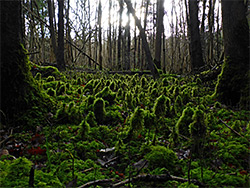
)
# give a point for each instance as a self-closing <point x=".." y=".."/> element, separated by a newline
<point x="115" y="17"/>
<point x="114" y="14"/>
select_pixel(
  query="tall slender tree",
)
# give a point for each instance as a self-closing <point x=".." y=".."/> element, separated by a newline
<point x="52" y="27"/>
<point x="100" y="33"/>
<point x="60" y="50"/>
<point x="233" y="85"/>
<point x="195" y="40"/>
<point x="119" y="42"/>
<point x="159" y="31"/>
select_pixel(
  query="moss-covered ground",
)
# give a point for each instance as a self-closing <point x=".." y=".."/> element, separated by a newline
<point x="117" y="127"/>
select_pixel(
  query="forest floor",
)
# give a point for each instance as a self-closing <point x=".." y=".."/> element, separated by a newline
<point x="126" y="131"/>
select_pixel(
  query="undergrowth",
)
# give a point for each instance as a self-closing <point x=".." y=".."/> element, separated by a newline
<point x="119" y="126"/>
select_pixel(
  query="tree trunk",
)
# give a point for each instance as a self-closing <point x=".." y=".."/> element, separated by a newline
<point x="18" y="89"/>
<point x="144" y="39"/>
<point x="195" y="41"/>
<point x="119" y="42"/>
<point x="128" y="36"/>
<point x="159" y="31"/>
<point x="233" y="84"/>
<point x="52" y="28"/>
<point x="60" y="50"/>
<point x="100" y="34"/>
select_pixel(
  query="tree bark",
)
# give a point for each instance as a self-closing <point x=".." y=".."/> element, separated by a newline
<point x="60" y="50"/>
<point x="52" y="28"/>
<point x="233" y="84"/>
<point x="100" y="34"/>
<point x="18" y="89"/>
<point x="119" y="42"/>
<point x="195" y="41"/>
<point x="159" y="31"/>
<point x="144" y="39"/>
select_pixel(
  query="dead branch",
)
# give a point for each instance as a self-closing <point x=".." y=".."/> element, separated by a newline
<point x="145" y="178"/>
<point x="238" y="134"/>
<point x="103" y="182"/>
<point x="157" y="178"/>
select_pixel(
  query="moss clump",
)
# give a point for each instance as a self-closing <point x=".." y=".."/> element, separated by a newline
<point x="198" y="127"/>
<point x="61" y="90"/>
<point x="50" y="79"/>
<point x="99" y="110"/>
<point x="84" y="129"/>
<point x="107" y="95"/>
<point x="161" y="157"/>
<point x="182" y="125"/>
<point x="91" y="120"/>
<point x="143" y="82"/>
<point x="160" y="108"/>
<point x="16" y="173"/>
<point x="51" y="92"/>
<point x="137" y="120"/>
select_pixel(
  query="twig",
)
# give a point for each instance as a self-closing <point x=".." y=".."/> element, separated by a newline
<point x="231" y="128"/>
<point x="97" y="182"/>
<point x="158" y="178"/>
<point x="145" y="178"/>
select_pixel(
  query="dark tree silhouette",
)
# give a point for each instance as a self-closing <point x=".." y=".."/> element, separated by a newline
<point x="195" y="40"/>
<point x="233" y="85"/>
<point x="60" y="50"/>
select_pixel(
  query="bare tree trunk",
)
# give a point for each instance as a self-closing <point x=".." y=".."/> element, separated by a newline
<point x="159" y="31"/>
<point x="144" y="39"/>
<point x="52" y="28"/>
<point x="119" y="42"/>
<point x="135" y="43"/>
<point x="233" y="84"/>
<point x="109" y="36"/>
<point x="100" y="33"/>
<point x="60" y="51"/>
<point x="211" y="31"/>
<point x="127" y="56"/>
<point x="195" y="41"/>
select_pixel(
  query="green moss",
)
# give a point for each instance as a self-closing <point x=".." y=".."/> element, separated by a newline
<point x="51" y="92"/>
<point x="16" y="173"/>
<point x="160" y="107"/>
<point x="84" y="129"/>
<point x="198" y="127"/>
<point x="50" y="79"/>
<point x="91" y="120"/>
<point x="137" y="120"/>
<point x="182" y="125"/>
<point x="233" y="84"/>
<point x="106" y="94"/>
<point x="61" y="90"/>
<point x="161" y="157"/>
<point x="99" y="110"/>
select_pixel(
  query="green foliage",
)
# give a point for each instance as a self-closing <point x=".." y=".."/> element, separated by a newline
<point x="198" y="127"/>
<point x="51" y="92"/>
<point x="137" y="120"/>
<point x="99" y="110"/>
<point x="91" y="120"/>
<point x="160" y="106"/>
<point x="106" y="94"/>
<point x="61" y="90"/>
<point x="84" y="129"/>
<point x="50" y="79"/>
<point x="182" y="125"/>
<point x="162" y="157"/>
<point x="16" y="172"/>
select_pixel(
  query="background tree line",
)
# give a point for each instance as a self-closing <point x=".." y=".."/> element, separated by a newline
<point x="181" y="38"/>
<point x="196" y="42"/>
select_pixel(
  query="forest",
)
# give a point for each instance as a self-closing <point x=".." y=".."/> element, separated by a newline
<point x="124" y="93"/>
